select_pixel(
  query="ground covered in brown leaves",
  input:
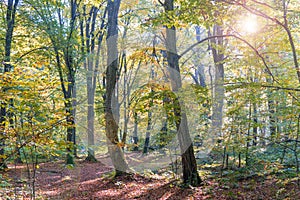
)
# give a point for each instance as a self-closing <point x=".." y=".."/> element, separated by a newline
<point x="87" y="181"/>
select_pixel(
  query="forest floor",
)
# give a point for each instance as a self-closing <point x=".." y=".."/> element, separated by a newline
<point x="87" y="181"/>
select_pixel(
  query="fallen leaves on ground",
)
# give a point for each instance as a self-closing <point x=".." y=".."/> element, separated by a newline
<point x="87" y="181"/>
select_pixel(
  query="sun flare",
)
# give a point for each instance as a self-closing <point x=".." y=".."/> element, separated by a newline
<point x="249" y="24"/>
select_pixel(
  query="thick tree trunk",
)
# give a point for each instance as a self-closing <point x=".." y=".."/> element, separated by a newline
<point x="111" y="127"/>
<point x="69" y="104"/>
<point x="190" y="174"/>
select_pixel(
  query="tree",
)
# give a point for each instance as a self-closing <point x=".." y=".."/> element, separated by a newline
<point x="91" y="35"/>
<point x="62" y="33"/>
<point x="10" y="24"/>
<point x="190" y="173"/>
<point x="149" y="120"/>
<point x="111" y="126"/>
<point x="217" y="48"/>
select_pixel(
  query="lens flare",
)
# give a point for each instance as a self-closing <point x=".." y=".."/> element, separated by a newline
<point x="249" y="24"/>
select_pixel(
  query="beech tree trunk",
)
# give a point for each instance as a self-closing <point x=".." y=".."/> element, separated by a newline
<point x="70" y="93"/>
<point x="111" y="127"/>
<point x="189" y="165"/>
<point x="218" y="86"/>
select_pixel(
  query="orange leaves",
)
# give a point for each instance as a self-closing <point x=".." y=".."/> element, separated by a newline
<point x="121" y="144"/>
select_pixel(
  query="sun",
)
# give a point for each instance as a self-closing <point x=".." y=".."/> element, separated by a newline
<point x="249" y="24"/>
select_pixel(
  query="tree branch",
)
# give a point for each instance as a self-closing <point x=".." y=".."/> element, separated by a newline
<point x="31" y="51"/>
<point x="239" y="38"/>
<point x="245" y="84"/>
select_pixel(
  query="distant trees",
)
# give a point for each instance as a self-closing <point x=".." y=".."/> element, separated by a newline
<point x="92" y="31"/>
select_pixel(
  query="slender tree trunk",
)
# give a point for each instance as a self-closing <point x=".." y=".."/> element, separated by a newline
<point x="291" y="40"/>
<point x="91" y="122"/>
<point x="271" y="107"/>
<point x="248" y="136"/>
<point x="70" y="93"/>
<point x="135" y="133"/>
<point x="255" y="124"/>
<point x="71" y="133"/>
<point x="149" y="124"/>
<point x="70" y="99"/>
<point x="91" y="65"/>
<point x="218" y="87"/>
<point x="147" y="137"/>
<point x="126" y="94"/>
<point x="189" y="165"/>
<point x="67" y="75"/>
<point x="90" y="46"/>
<point x="10" y="24"/>
<point x="111" y="127"/>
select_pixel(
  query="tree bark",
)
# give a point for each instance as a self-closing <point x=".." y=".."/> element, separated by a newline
<point x="147" y="137"/>
<point x="218" y="86"/>
<point x="10" y="24"/>
<point x="111" y="127"/>
<point x="255" y="124"/>
<point x="189" y="165"/>
<point x="70" y="93"/>
<point x="90" y="47"/>
<point x="135" y="133"/>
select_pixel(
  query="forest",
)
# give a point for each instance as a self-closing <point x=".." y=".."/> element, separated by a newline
<point x="149" y="99"/>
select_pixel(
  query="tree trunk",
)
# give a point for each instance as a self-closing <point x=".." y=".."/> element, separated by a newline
<point x="90" y="77"/>
<point x="70" y="97"/>
<point x="10" y="23"/>
<point x="190" y="174"/>
<point x="218" y="87"/>
<point x="255" y="124"/>
<point x="271" y="107"/>
<point x="135" y="133"/>
<point x="126" y="94"/>
<point x="147" y="137"/>
<point x="111" y="127"/>
<point x="70" y="93"/>
<point x="148" y="133"/>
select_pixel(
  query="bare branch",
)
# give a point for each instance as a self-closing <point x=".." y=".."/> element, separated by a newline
<point x="239" y="38"/>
